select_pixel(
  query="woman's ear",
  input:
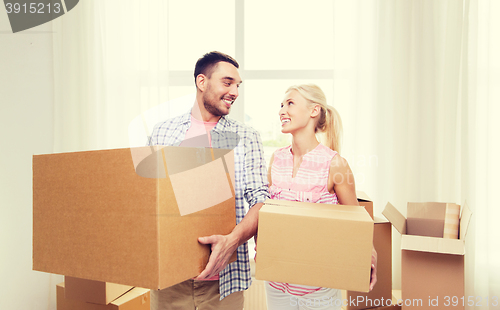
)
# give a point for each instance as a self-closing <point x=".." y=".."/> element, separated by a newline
<point x="316" y="111"/>
<point x="201" y="80"/>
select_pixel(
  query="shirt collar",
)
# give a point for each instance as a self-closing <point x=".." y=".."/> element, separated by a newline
<point x="186" y="118"/>
<point x="221" y="124"/>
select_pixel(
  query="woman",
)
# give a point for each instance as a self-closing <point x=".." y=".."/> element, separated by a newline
<point x="309" y="171"/>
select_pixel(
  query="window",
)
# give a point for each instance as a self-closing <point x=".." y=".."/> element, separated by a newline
<point x="274" y="52"/>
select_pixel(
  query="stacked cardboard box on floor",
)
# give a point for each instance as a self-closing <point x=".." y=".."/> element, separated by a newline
<point x="382" y="241"/>
<point x="365" y="202"/>
<point x="432" y="267"/>
<point x="96" y="292"/>
<point x="289" y="249"/>
<point x="134" y="299"/>
<point x="131" y="216"/>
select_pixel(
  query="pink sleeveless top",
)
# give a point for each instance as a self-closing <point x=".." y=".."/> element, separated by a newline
<point x="310" y="184"/>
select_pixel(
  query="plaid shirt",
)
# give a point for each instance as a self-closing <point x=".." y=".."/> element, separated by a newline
<point x="250" y="181"/>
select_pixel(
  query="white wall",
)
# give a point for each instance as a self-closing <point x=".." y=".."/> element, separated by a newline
<point x="26" y="104"/>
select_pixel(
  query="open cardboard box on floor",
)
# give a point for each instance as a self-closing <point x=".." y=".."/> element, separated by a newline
<point x="131" y="216"/>
<point x="431" y="267"/>
<point x="96" y="292"/>
<point x="314" y="244"/>
<point x="135" y="299"/>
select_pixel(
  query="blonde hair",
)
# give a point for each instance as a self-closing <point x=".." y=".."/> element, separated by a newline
<point x="329" y="122"/>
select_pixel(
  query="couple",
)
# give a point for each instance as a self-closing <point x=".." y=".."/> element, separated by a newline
<point x="303" y="113"/>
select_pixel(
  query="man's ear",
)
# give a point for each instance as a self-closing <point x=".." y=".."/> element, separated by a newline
<point x="316" y="111"/>
<point x="201" y="82"/>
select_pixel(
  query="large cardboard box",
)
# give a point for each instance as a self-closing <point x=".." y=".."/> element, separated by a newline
<point x="314" y="244"/>
<point x="432" y="268"/>
<point x="93" y="291"/>
<point x="131" y="216"/>
<point x="382" y="241"/>
<point x="135" y="299"/>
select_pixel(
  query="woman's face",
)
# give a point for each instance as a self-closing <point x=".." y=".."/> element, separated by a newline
<point x="295" y="113"/>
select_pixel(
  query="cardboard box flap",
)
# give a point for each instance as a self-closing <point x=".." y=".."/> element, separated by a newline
<point x="320" y="211"/>
<point x="308" y="209"/>
<point x="432" y="244"/>
<point x="395" y="217"/>
<point x="464" y="220"/>
<point x="131" y="295"/>
<point x="377" y="219"/>
<point x="208" y="179"/>
<point x="362" y="196"/>
<point x="426" y="210"/>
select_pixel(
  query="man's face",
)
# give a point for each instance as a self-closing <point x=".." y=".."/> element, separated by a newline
<point x="221" y="89"/>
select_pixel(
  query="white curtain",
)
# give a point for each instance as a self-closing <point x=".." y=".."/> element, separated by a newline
<point x="420" y="78"/>
<point x="480" y="115"/>
<point x="437" y="105"/>
<point x="111" y="65"/>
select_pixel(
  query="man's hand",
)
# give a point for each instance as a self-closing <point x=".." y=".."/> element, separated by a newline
<point x="223" y="246"/>
<point x="373" y="278"/>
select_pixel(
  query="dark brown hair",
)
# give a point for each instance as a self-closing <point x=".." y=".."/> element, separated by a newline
<point x="206" y="64"/>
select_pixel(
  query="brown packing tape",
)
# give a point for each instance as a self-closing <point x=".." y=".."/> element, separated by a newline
<point x="212" y="153"/>
<point x="229" y="164"/>
<point x="452" y="221"/>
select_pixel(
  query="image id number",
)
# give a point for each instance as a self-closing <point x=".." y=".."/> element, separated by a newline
<point x="477" y="301"/>
<point x="33" y="8"/>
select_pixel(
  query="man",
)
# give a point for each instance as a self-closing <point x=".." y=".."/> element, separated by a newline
<point x="219" y="286"/>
